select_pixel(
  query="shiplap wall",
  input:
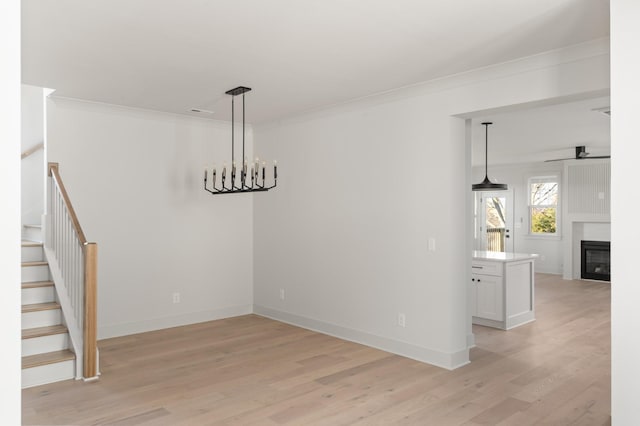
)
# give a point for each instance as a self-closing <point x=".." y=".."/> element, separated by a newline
<point x="589" y="188"/>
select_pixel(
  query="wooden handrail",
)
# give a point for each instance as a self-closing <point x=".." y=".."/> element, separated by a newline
<point x="90" y="305"/>
<point x="31" y="150"/>
<point x="55" y="174"/>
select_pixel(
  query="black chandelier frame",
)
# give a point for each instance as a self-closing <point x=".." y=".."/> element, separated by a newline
<point x="257" y="174"/>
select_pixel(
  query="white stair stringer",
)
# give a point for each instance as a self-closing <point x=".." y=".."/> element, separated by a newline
<point x="74" y="330"/>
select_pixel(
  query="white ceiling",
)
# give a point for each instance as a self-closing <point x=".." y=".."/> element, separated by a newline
<point x="173" y="55"/>
<point x="543" y="133"/>
<point x="297" y="56"/>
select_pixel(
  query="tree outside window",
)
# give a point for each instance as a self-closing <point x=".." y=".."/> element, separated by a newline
<point x="543" y="205"/>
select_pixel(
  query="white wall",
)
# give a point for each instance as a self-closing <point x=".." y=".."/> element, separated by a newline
<point x="135" y="178"/>
<point x="10" y="213"/>
<point x="363" y="188"/>
<point x="550" y="250"/>
<point x="625" y="233"/>
<point x="32" y="167"/>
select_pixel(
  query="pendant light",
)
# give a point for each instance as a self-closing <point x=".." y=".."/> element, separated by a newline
<point x="486" y="184"/>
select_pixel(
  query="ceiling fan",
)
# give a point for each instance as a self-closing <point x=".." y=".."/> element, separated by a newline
<point x="581" y="154"/>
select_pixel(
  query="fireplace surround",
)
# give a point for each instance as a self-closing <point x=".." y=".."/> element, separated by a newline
<point x="595" y="260"/>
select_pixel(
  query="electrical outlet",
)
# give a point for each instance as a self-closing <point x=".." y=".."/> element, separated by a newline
<point x="176" y="297"/>
<point x="282" y="294"/>
<point x="402" y="320"/>
<point x="432" y="244"/>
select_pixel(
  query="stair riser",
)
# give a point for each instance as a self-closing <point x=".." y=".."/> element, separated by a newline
<point x="35" y="295"/>
<point x="41" y="318"/>
<point x="32" y="254"/>
<point x="32" y="234"/>
<point x="48" y="373"/>
<point x="35" y="273"/>
<point x="44" y="344"/>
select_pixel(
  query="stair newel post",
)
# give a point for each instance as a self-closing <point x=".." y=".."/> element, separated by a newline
<point x="90" y="310"/>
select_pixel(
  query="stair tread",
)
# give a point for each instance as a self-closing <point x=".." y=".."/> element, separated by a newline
<point x="32" y="225"/>
<point x="40" y="307"/>
<point x="43" y="331"/>
<point x="36" y="284"/>
<point x="29" y="243"/>
<point x="47" y="358"/>
<point x="35" y="263"/>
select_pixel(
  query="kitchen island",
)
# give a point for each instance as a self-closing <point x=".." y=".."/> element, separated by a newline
<point x="502" y="289"/>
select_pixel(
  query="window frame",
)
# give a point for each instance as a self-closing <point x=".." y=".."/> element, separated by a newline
<point x="555" y="178"/>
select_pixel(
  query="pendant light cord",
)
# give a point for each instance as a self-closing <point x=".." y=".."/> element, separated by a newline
<point x="486" y="149"/>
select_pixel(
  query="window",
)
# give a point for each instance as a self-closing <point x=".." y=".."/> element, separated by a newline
<point x="543" y="205"/>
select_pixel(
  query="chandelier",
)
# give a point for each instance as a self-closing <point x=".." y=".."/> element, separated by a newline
<point x="249" y="177"/>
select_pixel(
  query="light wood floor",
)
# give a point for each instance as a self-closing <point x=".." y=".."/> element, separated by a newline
<point x="254" y="371"/>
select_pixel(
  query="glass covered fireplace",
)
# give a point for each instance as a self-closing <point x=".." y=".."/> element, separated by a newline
<point x="596" y="260"/>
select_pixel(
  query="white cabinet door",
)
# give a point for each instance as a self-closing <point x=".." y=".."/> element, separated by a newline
<point x="488" y="297"/>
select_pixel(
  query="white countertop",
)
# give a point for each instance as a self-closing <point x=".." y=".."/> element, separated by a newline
<point x="502" y="257"/>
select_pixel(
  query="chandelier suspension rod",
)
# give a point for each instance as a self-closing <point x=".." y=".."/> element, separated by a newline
<point x="243" y="158"/>
<point x="233" y="125"/>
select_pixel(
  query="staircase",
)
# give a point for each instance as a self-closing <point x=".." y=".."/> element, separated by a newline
<point x="46" y="354"/>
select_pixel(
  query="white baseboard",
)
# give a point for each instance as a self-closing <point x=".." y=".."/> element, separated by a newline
<point x="471" y="340"/>
<point x="550" y="271"/>
<point x="449" y="361"/>
<point x="125" y="329"/>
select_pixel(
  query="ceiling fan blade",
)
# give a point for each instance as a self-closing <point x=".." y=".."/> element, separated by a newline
<point x="581" y="154"/>
<point x="579" y="158"/>
<point x="558" y="159"/>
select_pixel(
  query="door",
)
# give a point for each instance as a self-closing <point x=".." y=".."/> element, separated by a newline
<point x="495" y="222"/>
